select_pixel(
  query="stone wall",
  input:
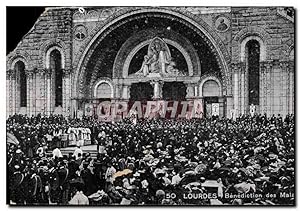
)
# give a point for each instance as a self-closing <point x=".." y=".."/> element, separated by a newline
<point x="275" y="34"/>
<point x="53" y="28"/>
<point x="59" y="27"/>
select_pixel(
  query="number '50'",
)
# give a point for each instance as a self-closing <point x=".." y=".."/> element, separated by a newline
<point x="170" y="195"/>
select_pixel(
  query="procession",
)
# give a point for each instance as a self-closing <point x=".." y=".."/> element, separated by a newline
<point x="215" y="161"/>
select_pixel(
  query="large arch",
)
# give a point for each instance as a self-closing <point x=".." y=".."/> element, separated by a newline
<point x="143" y="38"/>
<point x="189" y="19"/>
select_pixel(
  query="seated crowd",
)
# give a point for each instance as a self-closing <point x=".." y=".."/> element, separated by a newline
<point x="215" y="161"/>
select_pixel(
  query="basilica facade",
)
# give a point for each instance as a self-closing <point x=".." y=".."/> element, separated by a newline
<point x="235" y="58"/>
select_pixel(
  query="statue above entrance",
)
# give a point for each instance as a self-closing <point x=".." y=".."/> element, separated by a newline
<point x="158" y="61"/>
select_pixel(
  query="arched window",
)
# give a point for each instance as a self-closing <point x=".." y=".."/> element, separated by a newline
<point x="103" y="90"/>
<point x="210" y="88"/>
<point x="252" y="63"/>
<point x="20" y="71"/>
<point x="56" y="67"/>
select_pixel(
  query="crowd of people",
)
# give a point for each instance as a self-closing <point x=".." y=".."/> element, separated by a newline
<point x="216" y="161"/>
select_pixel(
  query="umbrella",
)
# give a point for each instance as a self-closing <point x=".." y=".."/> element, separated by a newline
<point x="122" y="173"/>
<point x="212" y="184"/>
<point x="244" y="187"/>
<point x="10" y="138"/>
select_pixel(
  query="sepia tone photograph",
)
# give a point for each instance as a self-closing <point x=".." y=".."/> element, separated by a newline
<point x="150" y="106"/>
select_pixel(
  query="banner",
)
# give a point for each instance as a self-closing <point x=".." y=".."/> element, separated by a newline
<point x="215" y="109"/>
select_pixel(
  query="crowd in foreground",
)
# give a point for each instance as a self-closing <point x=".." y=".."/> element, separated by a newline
<point x="219" y="161"/>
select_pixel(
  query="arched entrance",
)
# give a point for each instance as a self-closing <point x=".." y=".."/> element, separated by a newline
<point x="213" y="101"/>
<point x="119" y="49"/>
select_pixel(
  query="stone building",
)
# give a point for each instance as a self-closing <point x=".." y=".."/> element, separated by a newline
<point x="234" y="57"/>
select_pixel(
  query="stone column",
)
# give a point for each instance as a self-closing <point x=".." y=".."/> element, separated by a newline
<point x="41" y="92"/>
<point x="196" y="90"/>
<point x="14" y="92"/>
<point x="118" y="91"/>
<point x="284" y="90"/>
<point x="235" y="88"/>
<point x="262" y="88"/>
<point x="126" y="92"/>
<point x="269" y="92"/>
<point x="34" y="92"/>
<point x="10" y="76"/>
<point x="292" y="86"/>
<point x="48" y="91"/>
<point x="66" y="91"/>
<point x="244" y="88"/>
<point x="29" y="86"/>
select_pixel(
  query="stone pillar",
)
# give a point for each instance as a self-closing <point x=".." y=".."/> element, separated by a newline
<point x="244" y="88"/>
<point x="10" y="76"/>
<point x="262" y="88"/>
<point x="34" y="92"/>
<point x="67" y="91"/>
<point x="48" y="91"/>
<point x="126" y="92"/>
<point x="284" y="90"/>
<point x="268" y="96"/>
<point x="14" y="92"/>
<point x="276" y="86"/>
<point x="196" y="90"/>
<point x="118" y="91"/>
<point x="40" y="99"/>
<point x="235" y="88"/>
<point x="30" y="89"/>
<point x="291" y="87"/>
